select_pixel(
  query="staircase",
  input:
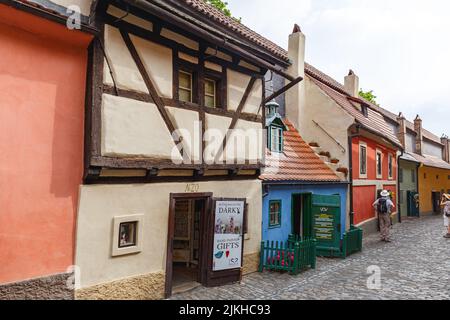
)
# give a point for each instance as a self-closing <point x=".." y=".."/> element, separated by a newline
<point x="331" y="162"/>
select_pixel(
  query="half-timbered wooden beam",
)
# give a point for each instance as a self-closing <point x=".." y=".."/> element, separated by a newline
<point x="282" y="90"/>
<point x="148" y="82"/>
<point x="236" y="116"/>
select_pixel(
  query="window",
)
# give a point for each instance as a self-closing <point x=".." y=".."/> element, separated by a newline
<point x="275" y="213"/>
<point x="390" y="166"/>
<point x="127" y="235"/>
<point x="276" y="139"/>
<point x="210" y="93"/>
<point x="185" y="86"/>
<point x="379" y="158"/>
<point x="363" y="160"/>
<point x="400" y="175"/>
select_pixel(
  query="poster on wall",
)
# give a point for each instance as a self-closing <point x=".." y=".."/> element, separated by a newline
<point x="228" y="235"/>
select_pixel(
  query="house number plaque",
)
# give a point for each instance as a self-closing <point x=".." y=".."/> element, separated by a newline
<point x="192" y="187"/>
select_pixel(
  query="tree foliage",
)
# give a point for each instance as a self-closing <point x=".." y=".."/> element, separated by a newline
<point x="222" y="6"/>
<point x="369" y="96"/>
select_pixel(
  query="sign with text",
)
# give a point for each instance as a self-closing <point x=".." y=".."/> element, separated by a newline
<point x="228" y="230"/>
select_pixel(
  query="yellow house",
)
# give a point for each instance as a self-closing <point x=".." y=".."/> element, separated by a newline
<point x="432" y="183"/>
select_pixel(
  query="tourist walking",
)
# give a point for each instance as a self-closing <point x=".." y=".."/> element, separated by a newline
<point x="384" y="206"/>
<point x="445" y="203"/>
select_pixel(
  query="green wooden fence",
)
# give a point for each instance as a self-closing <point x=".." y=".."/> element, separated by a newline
<point x="352" y="241"/>
<point x="290" y="256"/>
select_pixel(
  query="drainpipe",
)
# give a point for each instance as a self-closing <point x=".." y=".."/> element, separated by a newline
<point x="399" y="208"/>
<point x="350" y="152"/>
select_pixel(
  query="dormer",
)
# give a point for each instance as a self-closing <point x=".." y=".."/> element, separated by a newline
<point x="275" y="127"/>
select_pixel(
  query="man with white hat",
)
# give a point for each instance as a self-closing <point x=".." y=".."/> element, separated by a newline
<point x="384" y="206"/>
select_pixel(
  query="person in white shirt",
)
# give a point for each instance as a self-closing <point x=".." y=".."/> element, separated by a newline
<point x="384" y="207"/>
<point x="445" y="203"/>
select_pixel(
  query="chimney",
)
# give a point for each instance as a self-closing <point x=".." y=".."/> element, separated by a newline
<point x="351" y="84"/>
<point x="402" y="129"/>
<point x="295" y="97"/>
<point x="419" y="134"/>
<point x="446" y="150"/>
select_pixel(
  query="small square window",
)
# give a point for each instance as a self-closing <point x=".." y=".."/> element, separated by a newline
<point x="127" y="234"/>
<point x="275" y="213"/>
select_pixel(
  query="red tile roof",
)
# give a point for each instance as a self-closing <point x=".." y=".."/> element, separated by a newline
<point x="237" y="27"/>
<point x="298" y="162"/>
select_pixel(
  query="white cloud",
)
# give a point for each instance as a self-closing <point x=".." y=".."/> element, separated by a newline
<point x="400" y="48"/>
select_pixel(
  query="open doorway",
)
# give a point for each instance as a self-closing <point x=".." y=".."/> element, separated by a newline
<point x="302" y="224"/>
<point x="187" y="244"/>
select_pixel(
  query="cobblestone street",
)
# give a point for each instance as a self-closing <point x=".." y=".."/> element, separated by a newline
<point x="416" y="265"/>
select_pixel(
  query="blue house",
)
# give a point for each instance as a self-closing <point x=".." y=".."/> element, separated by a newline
<point x="302" y="195"/>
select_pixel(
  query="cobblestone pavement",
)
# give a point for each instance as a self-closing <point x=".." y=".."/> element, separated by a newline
<point x="416" y="265"/>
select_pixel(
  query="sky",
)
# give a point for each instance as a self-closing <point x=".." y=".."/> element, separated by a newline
<point x="400" y="49"/>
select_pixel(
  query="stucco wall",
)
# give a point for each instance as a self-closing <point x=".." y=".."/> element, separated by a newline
<point x="100" y="204"/>
<point x="432" y="149"/>
<point x="284" y="193"/>
<point x="237" y="84"/>
<point x="322" y="109"/>
<point x="130" y="129"/>
<point x="436" y="180"/>
<point x="42" y="81"/>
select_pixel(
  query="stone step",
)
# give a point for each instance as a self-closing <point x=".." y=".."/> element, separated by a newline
<point x="333" y="166"/>
<point x="317" y="150"/>
<point x="324" y="158"/>
<point x="341" y="176"/>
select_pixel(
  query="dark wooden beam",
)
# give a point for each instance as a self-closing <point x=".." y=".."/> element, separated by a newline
<point x="148" y="82"/>
<point x="282" y="90"/>
<point x="236" y="116"/>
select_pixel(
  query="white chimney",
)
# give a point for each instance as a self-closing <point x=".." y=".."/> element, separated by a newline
<point x="295" y="97"/>
<point x="351" y="84"/>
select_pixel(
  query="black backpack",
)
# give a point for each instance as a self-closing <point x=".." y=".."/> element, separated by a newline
<point x="382" y="206"/>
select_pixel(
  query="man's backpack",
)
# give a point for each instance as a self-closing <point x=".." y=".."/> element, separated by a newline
<point x="382" y="206"/>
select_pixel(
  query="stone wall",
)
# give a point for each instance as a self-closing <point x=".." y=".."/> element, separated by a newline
<point x="146" y="287"/>
<point x="251" y="263"/>
<point x="47" y="288"/>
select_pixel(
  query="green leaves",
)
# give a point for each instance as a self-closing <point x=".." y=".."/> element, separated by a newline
<point x="222" y="6"/>
<point x="369" y="96"/>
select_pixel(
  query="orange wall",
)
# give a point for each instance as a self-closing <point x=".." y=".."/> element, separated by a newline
<point x="42" y="89"/>
<point x="363" y="198"/>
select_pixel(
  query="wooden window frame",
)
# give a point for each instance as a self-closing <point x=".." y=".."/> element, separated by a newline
<point x="274" y="226"/>
<point x="361" y="174"/>
<point x="379" y="165"/>
<point x="271" y="127"/>
<point x="191" y="89"/>
<point x="199" y="75"/>
<point x="390" y="166"/>
<point x="221" y="89"/>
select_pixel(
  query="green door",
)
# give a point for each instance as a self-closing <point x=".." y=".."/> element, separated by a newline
<point x="326" y="224"/>
<point x="413" y="207"/>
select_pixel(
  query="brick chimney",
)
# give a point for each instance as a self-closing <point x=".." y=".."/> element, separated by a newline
<point x="296" y="96"/>
<point x="446" y="150"/>
<point x="351" y="84"/>
<point x="419" y="134"/>
<point x="402" y="129"/>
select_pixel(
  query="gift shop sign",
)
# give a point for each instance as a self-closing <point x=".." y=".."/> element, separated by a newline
<point x="229" y="219"/>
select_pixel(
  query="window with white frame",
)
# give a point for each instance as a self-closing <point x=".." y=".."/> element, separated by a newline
<point x="363" y="160"/>
<point x="127" y="235"/>
<point x="276" y="139"/>
<point x="379" y="164"/>
<point x="391" y="166"/>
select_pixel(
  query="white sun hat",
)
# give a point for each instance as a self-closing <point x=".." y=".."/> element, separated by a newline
<point x="385" y="193"/>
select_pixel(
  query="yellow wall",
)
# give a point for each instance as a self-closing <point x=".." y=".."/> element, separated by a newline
<point x="436" y="180"/>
